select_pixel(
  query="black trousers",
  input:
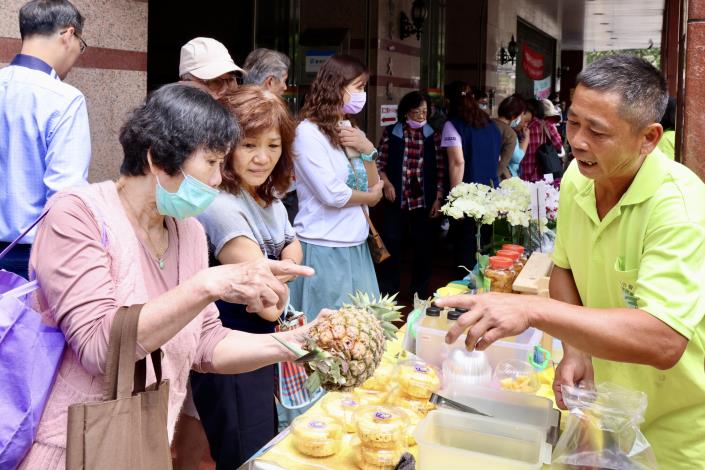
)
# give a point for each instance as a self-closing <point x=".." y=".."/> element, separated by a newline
<point x="463" y="234"/>
<point x="238" y="412"/>
<point x="416" y="228"/>
<point x="17" y="260"/>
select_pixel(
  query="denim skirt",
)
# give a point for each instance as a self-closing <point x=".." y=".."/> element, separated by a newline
<point x="340" y="271"/>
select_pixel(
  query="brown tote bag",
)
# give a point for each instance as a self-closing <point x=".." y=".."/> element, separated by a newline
<point x="127" y="430"/>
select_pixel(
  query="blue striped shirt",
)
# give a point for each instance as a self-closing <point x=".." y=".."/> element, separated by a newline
<point x="45" y="142"/>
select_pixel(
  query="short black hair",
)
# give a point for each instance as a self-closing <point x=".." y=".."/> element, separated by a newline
<point x="411" y="100"/>
<point x="45" y="17"/>
<point x="511" y="107"/>
<point x="175" y="121"/>
<point x="535" y="107"/>
<point x="639" y="85"/>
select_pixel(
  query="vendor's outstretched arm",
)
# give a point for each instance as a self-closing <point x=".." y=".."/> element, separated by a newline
<point x="617" y="334"/>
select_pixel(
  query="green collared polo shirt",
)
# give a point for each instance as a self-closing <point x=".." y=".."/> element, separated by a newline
<point x="648" y="252"/>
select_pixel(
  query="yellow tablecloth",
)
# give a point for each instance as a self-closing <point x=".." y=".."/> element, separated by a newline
<point x="282" y="453"/>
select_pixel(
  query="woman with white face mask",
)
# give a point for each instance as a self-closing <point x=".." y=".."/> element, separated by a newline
<point x="336" y="178"/>
<point x="412" y="167"/>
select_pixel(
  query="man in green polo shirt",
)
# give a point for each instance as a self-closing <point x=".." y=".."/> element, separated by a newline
<point x="628" y="286"/>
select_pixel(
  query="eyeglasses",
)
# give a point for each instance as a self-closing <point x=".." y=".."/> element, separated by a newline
<point x="83" y="44"/>
<point x="226" y="80"/>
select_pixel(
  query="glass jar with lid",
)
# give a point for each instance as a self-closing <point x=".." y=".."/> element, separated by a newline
<point x="519" y="249"/>
<point x="514" y="256"/>
<point x="500" y="273"/>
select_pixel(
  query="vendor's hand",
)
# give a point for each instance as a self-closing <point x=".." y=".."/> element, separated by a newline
<point x="574" y="369"/>
<point x="491" y="317"/>
<point x="435" y="209"/>
<point x="376" y="192"/>
<point x="389" y="192"/>
<point x="354" y="138"/>
<point x="253" y="283"/>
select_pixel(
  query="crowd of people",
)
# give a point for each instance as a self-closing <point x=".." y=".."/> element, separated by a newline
<point x="194" y="227"/>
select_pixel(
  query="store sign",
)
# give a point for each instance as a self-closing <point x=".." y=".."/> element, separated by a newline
<point x="542" y="88"/>
<point x="532" y="62"/>
<point x="314" y="60"/>
<point x="388" y="115"/>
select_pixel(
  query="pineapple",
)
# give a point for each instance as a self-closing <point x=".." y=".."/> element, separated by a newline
<point x="350" y="342"/>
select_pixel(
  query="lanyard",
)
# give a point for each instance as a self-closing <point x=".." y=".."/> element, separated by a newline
<point x="32" y="62"/>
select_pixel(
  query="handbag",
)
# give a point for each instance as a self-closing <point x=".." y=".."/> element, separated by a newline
<point x="127" y="430"/>
<point x="547" y="156"/>
<point x="30" y="354"/>
<point x="378" y="251"/>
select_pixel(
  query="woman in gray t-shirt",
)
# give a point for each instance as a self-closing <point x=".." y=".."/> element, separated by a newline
<point x="248" y="221"/>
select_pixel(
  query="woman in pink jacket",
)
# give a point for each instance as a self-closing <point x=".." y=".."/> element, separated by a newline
<point x="135" y="241"/>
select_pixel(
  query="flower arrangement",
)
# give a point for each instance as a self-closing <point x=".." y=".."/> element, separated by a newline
<point x="511" y="201"/>
<point x="528" y="206"/>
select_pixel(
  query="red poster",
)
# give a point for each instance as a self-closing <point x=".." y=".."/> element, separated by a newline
<point x="532" y="62"/>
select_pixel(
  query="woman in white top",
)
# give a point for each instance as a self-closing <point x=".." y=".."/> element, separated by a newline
<point x="334" y="189"/>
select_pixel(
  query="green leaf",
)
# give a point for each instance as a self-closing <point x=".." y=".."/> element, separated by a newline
<point x="390" y="316"/>
<point x="313" y="383"/>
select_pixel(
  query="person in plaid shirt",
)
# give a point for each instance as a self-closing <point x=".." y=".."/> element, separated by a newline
<point x="542" y="112"/>
<point x="412" y="166"/>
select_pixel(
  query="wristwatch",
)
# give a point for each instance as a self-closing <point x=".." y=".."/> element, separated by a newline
<point x="369" y="157"/>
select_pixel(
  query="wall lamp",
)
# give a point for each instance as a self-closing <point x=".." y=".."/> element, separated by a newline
<point x="419" y="14"/>
<point x="509" y="53"/>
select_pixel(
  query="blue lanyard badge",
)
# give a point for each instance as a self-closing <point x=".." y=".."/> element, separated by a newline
<point x="32" y="62"/>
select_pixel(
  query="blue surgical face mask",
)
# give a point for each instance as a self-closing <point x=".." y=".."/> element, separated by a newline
<point x="356" y="103"/>
<point x="515" y="123"/>
<point x="191" y="199"/>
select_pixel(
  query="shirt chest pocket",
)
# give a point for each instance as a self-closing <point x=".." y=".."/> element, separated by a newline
<point x="625" y="280"/>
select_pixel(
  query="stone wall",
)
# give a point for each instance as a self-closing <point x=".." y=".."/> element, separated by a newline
<point x="112" y="73"/>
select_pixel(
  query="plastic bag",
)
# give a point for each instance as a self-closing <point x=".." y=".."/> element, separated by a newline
<point x="602" y="430"/>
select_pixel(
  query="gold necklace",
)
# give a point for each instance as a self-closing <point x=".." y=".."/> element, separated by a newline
<point x="161" y="262"/>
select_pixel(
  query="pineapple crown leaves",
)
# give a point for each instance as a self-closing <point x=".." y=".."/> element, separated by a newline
<point x="385" y="309"/>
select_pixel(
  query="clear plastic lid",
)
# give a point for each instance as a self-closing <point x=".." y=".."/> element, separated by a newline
<point x="380" y="426"/>
<point x="368" y="396"/>
<point x="373" y="458"/>
<point x="516" y="376"/>
<point x="341" y="406"/>
<point x="317" y="435"/>
<point x="317" y="427"/>
<point x="418" y="379"/>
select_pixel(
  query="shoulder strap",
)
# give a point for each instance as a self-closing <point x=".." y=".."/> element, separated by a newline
<point x="26" y="231"/>
<point x="545" y="137"/>
<point x="373" y="230"/>
<point x="120" y="363"/>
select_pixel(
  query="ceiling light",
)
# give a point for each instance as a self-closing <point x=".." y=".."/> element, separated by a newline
<point x="599" y="13"/>
<point x="605" y="22"/>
